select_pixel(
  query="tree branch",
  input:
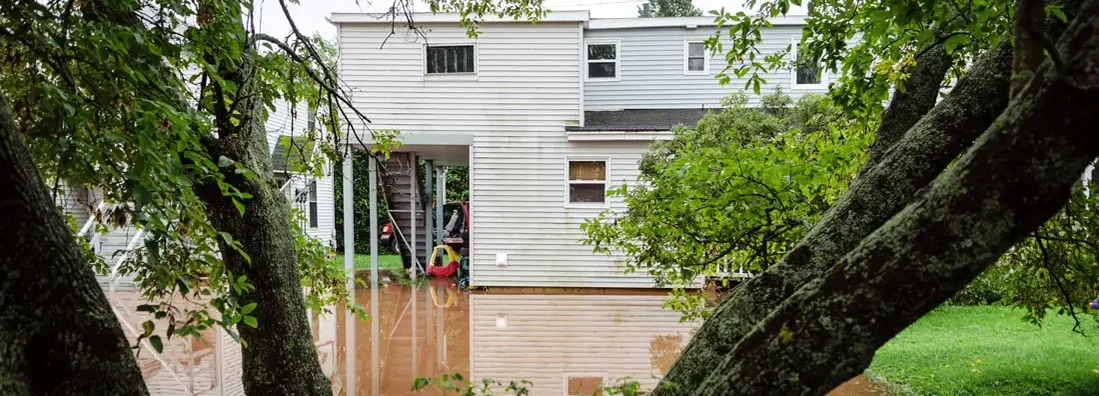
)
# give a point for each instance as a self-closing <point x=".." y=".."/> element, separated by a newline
<point x="1029" y="42"/>
<point x="911" y="101"/>
<point x="1024" y="168"/>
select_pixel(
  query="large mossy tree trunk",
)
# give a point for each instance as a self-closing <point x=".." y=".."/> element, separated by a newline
<point x="903" y="170"/>
<point x="58" y="335"/>
<point x="1014" y="178"/>
<point x="875" y="196"/>
<point x="280" y="357"/>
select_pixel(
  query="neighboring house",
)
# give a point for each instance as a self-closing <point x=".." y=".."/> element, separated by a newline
<point x="548" y="116"/>
<point x="312" y="195"/>
<point x="287" y="136"/>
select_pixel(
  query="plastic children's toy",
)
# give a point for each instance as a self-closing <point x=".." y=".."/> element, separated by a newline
<point x="1095" y="304"/>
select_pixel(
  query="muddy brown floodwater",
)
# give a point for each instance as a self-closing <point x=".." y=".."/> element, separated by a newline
<point x="565" y="343"/>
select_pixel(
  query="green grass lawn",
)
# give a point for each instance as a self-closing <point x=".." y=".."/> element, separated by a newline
<point x="362" y="261"/>
<point x="989" y="351"/>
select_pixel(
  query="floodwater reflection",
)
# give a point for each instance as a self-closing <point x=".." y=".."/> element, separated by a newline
<point x="563" y="343"/>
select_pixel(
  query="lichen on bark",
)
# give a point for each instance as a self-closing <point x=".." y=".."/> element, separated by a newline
<point x="1013" y="179"/>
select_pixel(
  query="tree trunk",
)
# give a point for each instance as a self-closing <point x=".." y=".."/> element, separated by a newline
<point x="1018" y="174"/>
<point x="914" y="161"/>
<point x="918" y="96"/>
<point x="280" y="357"/>
<point x="59" y="335"/>
<point x="872" y="199"/>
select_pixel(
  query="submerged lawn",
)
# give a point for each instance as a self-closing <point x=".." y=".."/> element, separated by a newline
<point x="989" y="351"/>
<point x="362" y="261"/>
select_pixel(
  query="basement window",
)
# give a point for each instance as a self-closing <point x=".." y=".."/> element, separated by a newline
<point x="451" y="59"/>
<point x="587" y="181"/>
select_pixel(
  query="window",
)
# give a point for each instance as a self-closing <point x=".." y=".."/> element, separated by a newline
<point x="584" y="386"/>
<point x="587" y="181"/>
<point x="451" y="59"/>
<point x="313" y="204"/>
<point x="602" y="60"/>
<point x="694" y="58"/>
<point x="806" y="71"/>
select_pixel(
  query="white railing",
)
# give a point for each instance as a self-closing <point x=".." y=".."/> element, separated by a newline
<point x="726" y="271"/>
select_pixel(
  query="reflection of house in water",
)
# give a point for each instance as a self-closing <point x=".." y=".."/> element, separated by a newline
<point x="562" y="343"/>
<point x="569" y="343"/>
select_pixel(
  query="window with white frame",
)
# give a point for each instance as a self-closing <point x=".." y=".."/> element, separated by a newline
<point x="806" y="71"/>
<point x="694" y="57"/>
<point x="602" y="60"/>
<point x="584" y="385"/>
<point x="587" y="181"/>
<point x="313" y="220"/>
<point x="450" y="59"/>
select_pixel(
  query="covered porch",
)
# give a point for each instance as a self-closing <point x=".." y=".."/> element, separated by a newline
<point x="411" y="183"/>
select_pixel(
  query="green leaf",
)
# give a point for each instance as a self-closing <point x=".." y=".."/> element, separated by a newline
<point x="250" y="321"/>
<point x="148" y="327"/>
<point x="239" y="205"/>
<point x="247" y="309"/>
<point x="156" y="343"/>
<point x="224" y="161"/>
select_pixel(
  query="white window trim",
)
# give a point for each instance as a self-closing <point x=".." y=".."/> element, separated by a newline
<point x="795" y="41"/>
<point x="450" y="76"/>
<point x="605" y="182"/>
<point x="565" y="380"/>
<point x="312" y="197"/>
<point x="687" y="56"/>
<point x="617" y="59"/>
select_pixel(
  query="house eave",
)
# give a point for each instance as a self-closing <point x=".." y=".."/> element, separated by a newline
<point x="684" y="22"/>
<point x="451" y="17"/>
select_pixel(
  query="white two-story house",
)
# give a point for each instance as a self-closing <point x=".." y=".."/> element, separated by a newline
<point x="547" y="117"/>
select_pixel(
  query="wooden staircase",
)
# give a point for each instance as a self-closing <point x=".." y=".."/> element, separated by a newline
<point x="396" y="177"/>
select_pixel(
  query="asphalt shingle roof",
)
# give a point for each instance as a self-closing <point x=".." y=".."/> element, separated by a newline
<point x="639" y="120"/>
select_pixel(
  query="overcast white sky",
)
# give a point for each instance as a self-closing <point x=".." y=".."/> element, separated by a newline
<point x="310" y="15"/>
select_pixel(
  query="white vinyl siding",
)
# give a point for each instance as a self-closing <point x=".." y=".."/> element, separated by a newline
<point x="282" y="121"/>
<point x="652" y="73"/>
<point x="527" y="88"/>
<point x="549" y="338"/>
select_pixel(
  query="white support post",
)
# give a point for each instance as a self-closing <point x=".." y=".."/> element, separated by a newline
<point x="429" y="173"/>
<point x="413" y="192"/>
<point x="440" y="200"/>
<point x="373" y="170"/>
<point x="349" y="218"/>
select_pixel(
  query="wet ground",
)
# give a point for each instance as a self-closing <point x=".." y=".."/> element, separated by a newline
<point x="563" y="342"/>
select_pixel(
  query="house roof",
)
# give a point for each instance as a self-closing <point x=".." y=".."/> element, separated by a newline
<point x="639" y="120"/>
<point x="290" y="154"/>
<point x="687" y="22"/>
<point x="448" y="17"/>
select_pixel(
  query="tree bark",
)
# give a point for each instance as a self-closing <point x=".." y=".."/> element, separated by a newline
<point x="1017" y="175"/>
<point x="914" y="161"/>
<point x="1030" y="16"/>
<point x="919" y="94"/>
<point x="59" y="334"/>
<point x="280" y="357"/>
<point x="872" y="199"/>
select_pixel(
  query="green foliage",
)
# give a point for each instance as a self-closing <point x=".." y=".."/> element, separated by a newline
<point x="1056" y="269"/>
<point x="988" y="351"/>
<point x="457" y="384"/>
<point x="869" y="46"/>
<point x="670" y="8"/>
<point x="457" y="183"/>
<point x="131" y="104"/>
<point x="734" y="192"/>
